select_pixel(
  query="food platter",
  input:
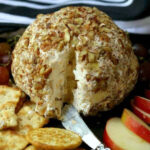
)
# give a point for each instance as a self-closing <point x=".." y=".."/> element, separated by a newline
<point x="97" y="123"/>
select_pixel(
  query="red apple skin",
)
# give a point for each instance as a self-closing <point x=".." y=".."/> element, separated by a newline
<point x="141" y="114"/>
<point x="108" y="142"/>
<point x="142" y="103"/>
<point x="136" y="126"/>
<point x="147" y="94"/>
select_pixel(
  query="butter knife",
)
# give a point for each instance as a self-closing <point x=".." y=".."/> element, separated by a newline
<point x="71" y="120"/>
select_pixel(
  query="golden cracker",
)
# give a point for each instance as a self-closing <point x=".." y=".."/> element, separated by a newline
<point x="80" y="149"/>
<point x="9" y="94"/>
<point x="23" y="98"/>
<point x="8" y="118"/>
<point x="29" y="119"/>
<point x="10" y="140"/>
<point x="32" y="147"/>
<point x="53" y="138"/>
<point x="9" y="98"/>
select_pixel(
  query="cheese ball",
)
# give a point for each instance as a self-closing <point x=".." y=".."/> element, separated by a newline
<point x="75" y="55"/>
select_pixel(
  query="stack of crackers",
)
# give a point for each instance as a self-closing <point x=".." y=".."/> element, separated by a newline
<point x="21" y="127"/>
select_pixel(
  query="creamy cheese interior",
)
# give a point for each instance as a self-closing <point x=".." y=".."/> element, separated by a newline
<point x="56" y="84"/>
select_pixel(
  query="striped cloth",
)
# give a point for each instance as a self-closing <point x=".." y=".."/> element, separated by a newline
<point x="16" y="13"/>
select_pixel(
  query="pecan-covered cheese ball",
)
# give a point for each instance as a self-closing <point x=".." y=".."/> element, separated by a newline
<point x="76" y="55"/>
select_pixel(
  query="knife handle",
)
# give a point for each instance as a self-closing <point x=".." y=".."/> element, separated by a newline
<point x="101" y="147"/>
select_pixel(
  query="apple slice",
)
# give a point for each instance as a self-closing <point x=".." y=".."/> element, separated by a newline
<point x="135" y="124"/>
<point x="142" y="103"/>
<point x="147" y="94"/>
<point x="118" y="137"/>
<point x="140" y="113"/>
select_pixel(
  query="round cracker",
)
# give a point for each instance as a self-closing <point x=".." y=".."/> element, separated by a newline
<point x="54" y="138"/>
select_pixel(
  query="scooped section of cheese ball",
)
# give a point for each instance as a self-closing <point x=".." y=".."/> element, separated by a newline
<point x="76" y="55"/>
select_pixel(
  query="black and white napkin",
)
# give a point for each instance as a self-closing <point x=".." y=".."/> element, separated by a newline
<point x="20" y="13"/>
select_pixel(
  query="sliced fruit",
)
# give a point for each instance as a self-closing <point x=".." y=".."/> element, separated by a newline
<point x="135" y="124"/>
<point x="140" y="50"/>
<point x="147" y="94"/>
<point x="142" y="103"/>
<point x="110" y="142"/>
<point x="118" y="137"/>
<point x="4" y="75"/>
<point x="4" y="48"/>
<point x="144" y="71"/>
<point x="141" y="114"/>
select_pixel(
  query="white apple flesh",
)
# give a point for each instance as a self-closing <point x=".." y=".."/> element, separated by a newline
<point x="118" y="137"/>
<point x="141" y="114"/>
<point x="135" y="124"/>
<point x="142" y="103"/>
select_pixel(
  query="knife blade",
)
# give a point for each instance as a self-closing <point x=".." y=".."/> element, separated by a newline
<point x="71" y="120"/>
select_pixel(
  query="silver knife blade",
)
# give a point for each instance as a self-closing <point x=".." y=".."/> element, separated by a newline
<point x="71" y="120"/>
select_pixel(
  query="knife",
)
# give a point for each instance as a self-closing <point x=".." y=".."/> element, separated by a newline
<point x="71" y="120"/>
